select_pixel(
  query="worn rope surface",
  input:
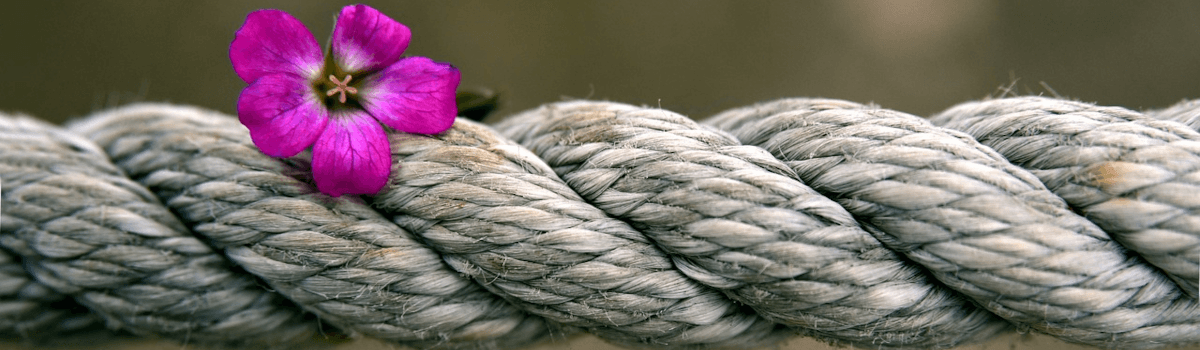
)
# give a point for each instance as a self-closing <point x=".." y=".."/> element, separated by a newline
<point x="338" y="259"/>
<point x="850" y="223"/>
<point x="85" y="230"/>
<point x="735" y="218"/>
<point x="1133" y="176"/>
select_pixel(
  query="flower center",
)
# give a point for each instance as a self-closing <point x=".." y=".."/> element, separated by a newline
<point x="341" y="87"/>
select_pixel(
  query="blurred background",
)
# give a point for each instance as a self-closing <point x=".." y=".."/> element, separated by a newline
<point x="66" y="59"/>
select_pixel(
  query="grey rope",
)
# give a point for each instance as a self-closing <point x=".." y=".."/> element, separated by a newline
<point x="982" y="226"/>
<point x="735" y="218"/>
<point x="86" y="230"/>
<point x="1186" y="112"/>
<point x="501" y="216"/>
<point x="338" y="259"/>
<point x="635" y="224"/>
<point x="29" y="309"/>
<point x="1133" y="176"/>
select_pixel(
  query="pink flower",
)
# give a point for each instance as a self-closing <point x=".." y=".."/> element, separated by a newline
<point x="334" y="102"/>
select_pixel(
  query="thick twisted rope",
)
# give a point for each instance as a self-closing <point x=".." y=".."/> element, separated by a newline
<point x="498" y="214"/>
<point x="982" y="226"/>
<point x="85" y="230"/>
<point x="849" y="223"/>
<point x="338" y="259"/>
<point x="1133" y="176"/>
<point x="735" y="218"/>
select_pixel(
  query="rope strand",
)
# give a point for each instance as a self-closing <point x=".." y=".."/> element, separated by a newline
<point x="735" y="218"/>
<point x="849" y="223"/>
<point x="336" y="258"/>
<point x="1129" y="174"/>
<point x="84" y="229"/>
<point x="981" y="225"/>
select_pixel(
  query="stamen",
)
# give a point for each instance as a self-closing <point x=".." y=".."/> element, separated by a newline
<point x="341" y="87"/>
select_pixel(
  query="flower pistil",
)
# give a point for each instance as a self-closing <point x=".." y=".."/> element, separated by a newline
<point x="341" y="87"/>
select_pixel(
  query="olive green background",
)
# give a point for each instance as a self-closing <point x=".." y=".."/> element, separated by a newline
<point x="65" y="59"/>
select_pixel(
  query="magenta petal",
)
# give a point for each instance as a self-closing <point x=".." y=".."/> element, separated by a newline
<point x="365" y="39"/>
<point x="271" y="42"/>
<point x="415" y="95"/>
<point x="283" y="113"/>
<point x="352" y="156"/>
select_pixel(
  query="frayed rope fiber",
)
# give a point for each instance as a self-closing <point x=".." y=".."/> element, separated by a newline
<point x="850" y="223"/>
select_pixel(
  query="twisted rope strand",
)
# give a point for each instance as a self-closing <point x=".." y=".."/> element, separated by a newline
<point x="1133" y="176"/>
<point x="29" y="309"/>
<point x="500" y="215"/>
<point x="337" y="258"/>
<point x="1186" y="112"/>
<point x="853" y="224"/>
<point x="983" y="226"/>
<point x="86" y="230"/>
<point x="736" y="219"/>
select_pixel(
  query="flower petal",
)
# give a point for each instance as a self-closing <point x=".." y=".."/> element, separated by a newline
<point x="415" y="95"/>
<point x="352" y="156"/>
<point x="283" y="113"/>
<point x="272" y="41"/>
<point x="365" y="39"/>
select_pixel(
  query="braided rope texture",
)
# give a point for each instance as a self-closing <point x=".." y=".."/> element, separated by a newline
<point x="849" y="223"/>
<point x="85" y="230"/>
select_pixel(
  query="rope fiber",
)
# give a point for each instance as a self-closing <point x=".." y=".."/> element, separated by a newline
<point x="850" y="223"/>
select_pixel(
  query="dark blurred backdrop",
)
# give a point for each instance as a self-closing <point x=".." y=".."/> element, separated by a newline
<point x="64" y="59"/>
